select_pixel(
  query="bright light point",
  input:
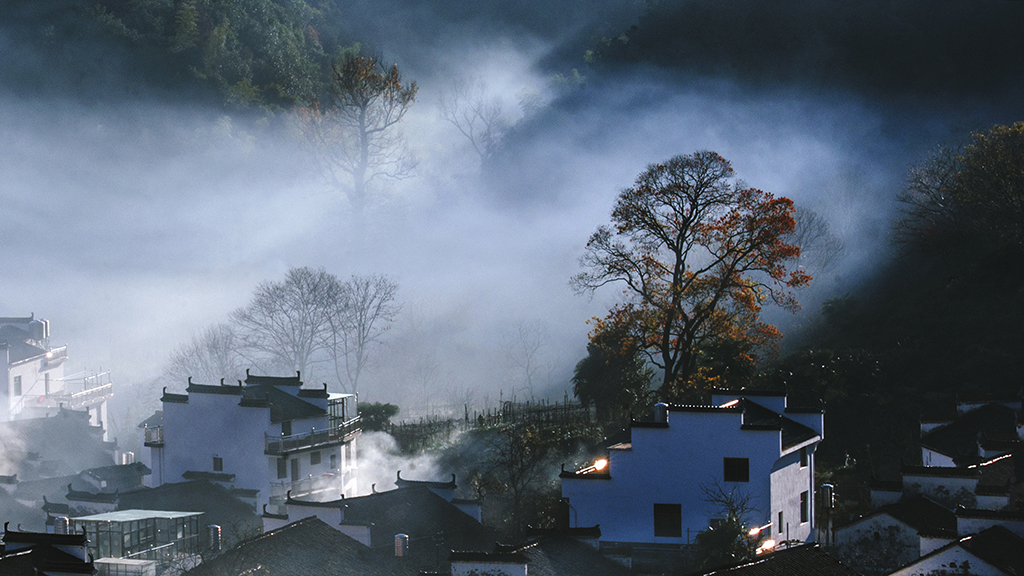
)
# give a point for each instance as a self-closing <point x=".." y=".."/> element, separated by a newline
<point x="730" y="403"/>
<point x="600" y="464"/>
<point x="754" y="531"/>
<point x="766" y="546"/>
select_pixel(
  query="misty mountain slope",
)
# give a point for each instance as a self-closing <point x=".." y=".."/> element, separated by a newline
<point x="948" y="48"/>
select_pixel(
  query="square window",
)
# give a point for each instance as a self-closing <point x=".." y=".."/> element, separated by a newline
<point x="668" y="520"/>
<point x="314" y="458"/>
<point x="282" y="468"/>
<point x="736" y="469"/>
<point x="803" y="458"/>
<point x="218" y="464"/>
<point x="805" y="507"/>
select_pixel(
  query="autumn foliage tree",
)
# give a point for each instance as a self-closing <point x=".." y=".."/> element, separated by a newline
<point x="698" y="256"/>
<point x="353" y="134"/>
<point x="615" y="377"/>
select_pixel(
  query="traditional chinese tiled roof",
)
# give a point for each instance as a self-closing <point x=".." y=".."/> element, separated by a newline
<point x="20" y="350"/>
<point x="157" y="419"/>
<point x="236" y="518"/>
<point x="120" y="472"/>
<point x="211" y="476"/>
<point x="921" y="513"/>
<point x="98" y="497"/>
<point x="758" y="417"/>
<point x="996" y="546"/>
<point x="806" y="560"/>
<point x="254" y="380"/>
<point x="259" y="392"/>
<point x="563" y="555"/>
<point x="433" y="524"/>
<point x="305" y="547"/>
<point x="403" y="483"/>
<point x="38" y="553"/>
<point x="960" y="438"/>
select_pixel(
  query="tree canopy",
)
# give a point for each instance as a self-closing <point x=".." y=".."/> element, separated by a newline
<point x="614" y="377"/>
<point x="970" y="197"/>
<point x="352" y="134"/>
<point x="699" y="255"/>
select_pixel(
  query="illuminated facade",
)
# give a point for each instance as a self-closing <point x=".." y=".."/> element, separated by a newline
<point x="261" y="439"/>
<point x="657" y="491"/>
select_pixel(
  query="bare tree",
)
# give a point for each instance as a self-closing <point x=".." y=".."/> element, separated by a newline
<point x="524" y="347"/>
<point x="288" y="324"/>
<point x="352" y="135"/>
<point x="819" y="247"/>
<point x="360" y="315"/>
<point x="480" y="119"/>
<point x="209" y="356"/>
<point x="517" y="456"/>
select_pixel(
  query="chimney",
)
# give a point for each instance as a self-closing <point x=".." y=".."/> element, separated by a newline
<point x="661" y="412"/>
<point x="214" y="537"/>
<point x="401" y="545"/>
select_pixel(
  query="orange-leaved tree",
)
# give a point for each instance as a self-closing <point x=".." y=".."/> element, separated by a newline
<point x="699" y="255"/>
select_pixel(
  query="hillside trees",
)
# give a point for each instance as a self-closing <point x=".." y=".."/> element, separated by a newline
<point x="971" y="197"/>
<point x="352" y="134"/>
<point x="698" y="256"/>
<point x="614" y="377"/>
<point x="263" y="54"/>
<point x="310" y="322"/>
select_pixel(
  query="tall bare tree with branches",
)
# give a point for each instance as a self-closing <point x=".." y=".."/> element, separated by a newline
<point x="480" y="119"/>
<point x="352" y="134"/>
<point x="285" y="326"/>
<point x="362" y="313"/>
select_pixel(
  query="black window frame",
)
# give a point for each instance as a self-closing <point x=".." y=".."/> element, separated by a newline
<point x="805" y="507"/>
<point x="736" y="469"/>
<point x="668" y="520"/>
<point x="314" y="458"/>
<point x="218" y="464"/>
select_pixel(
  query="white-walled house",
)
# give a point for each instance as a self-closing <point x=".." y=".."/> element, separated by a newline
<point x="652" y="490"/>
<point x="262" y="439"/>
<point x="32" y="380"/>
<point x="994" y="551"/>
<point x="982" y="428"/>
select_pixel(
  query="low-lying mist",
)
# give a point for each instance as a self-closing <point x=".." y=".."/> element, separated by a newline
<point x="133" y="225"/>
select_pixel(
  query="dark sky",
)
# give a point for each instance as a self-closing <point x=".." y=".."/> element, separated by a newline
<point x="131" y="222"/>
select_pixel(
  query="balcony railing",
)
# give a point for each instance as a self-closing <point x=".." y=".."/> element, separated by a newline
<point x="285" y="444"/>
<point x="303" y="487"/>
<point x="77" y="400"/>
<point x="154" y="436"/>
